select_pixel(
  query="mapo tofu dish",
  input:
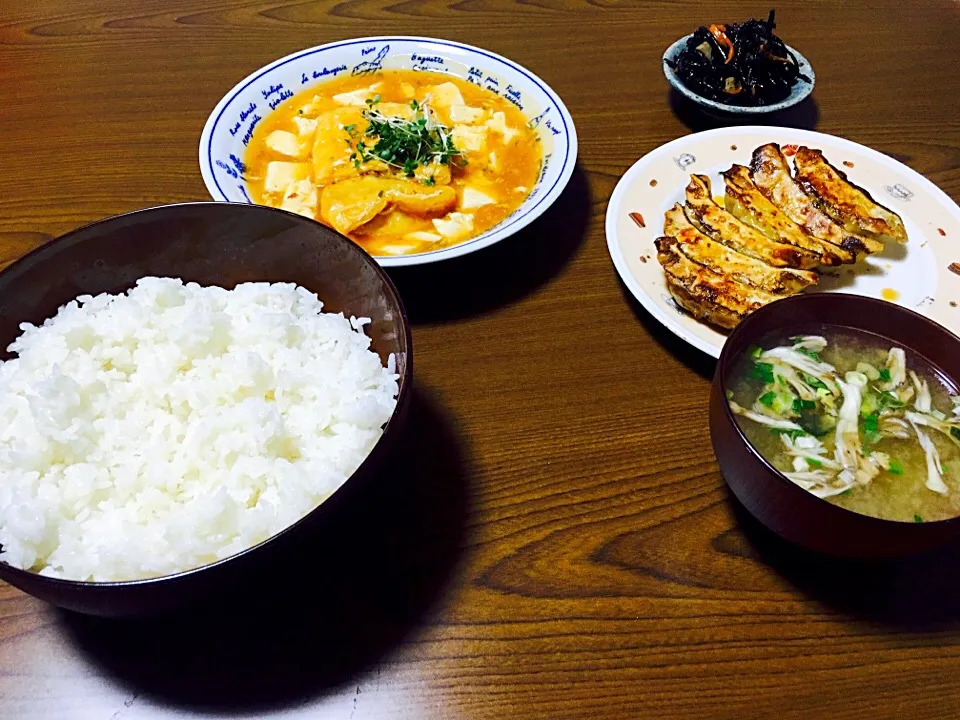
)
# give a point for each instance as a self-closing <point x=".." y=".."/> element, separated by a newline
<point x="402" y="161"/>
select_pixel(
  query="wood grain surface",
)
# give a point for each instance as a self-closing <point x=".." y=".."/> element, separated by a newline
<point x="555" y="540"/>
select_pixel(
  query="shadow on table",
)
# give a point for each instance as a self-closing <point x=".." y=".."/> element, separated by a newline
<point x="325" y="616"/>
<point x="694" y="359"/>
<point x="803" y="115"/>
<point x="502" y="273"/>
<point x="914" y="594"/>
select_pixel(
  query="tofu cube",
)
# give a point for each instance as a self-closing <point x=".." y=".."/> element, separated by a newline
<point x="306" y="127"/>
<point x="311" y="108"/>
<point x="465" y="114"/>
<point x="455" y="225"/>
<point x="473" y="198"/>
<point x="446" y="95"/>
<point x="423" y="236"/>
<point x="469" y="139"/>
<point x="286" y="143"/>
<point x="498" y="123"/>
<point x="301" y="198"/>
<point x="280" y="174"/>
<point x="392" y="109"/>
<point x="357" y="98"/>
<point x="394" y="249"/>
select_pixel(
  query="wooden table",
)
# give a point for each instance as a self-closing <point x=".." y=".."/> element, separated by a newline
<point x="556" y="540"/>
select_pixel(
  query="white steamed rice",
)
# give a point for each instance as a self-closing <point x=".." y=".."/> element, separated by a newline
<point x="160" y="430"/>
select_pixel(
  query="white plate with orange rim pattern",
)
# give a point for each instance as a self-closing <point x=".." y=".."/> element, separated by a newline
<point x="916" y="276"/>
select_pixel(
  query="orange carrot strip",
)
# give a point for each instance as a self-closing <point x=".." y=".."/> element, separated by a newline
<point x="719" y="33"/>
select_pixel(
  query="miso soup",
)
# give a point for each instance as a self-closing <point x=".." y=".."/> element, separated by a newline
<point x="853" y="419"/>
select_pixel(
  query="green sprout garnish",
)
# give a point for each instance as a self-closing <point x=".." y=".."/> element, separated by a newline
<point x="407" y="144"/>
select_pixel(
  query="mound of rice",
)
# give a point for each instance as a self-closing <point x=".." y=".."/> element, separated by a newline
<point x="160" y="430"/>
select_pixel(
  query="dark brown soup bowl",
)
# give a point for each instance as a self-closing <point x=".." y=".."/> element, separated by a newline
<point x="771" y="498"/>
<point x="212" y="244"/>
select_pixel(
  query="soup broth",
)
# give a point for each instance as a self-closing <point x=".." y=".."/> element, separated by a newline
<point x="400" y="161"/>
<point x="851" y="418"/>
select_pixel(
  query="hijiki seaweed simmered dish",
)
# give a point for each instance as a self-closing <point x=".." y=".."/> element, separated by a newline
<point x="740" y="64"/>
<point x="855" y="421"/>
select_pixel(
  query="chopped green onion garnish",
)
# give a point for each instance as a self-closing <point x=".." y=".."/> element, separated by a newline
<point x="889" y="400"/>
<point x="895" y="467"/>
<point x="763" y="371"/>
<point x="790" y="433"/>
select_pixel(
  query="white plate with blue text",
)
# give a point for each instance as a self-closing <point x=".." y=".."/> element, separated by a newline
<point x="923" y="275"/>
<point x="230" y="126"/>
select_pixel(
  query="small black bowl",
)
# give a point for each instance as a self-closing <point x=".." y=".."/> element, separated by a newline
<point x="212" y="244"/>
<point x="785" y="508"/>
